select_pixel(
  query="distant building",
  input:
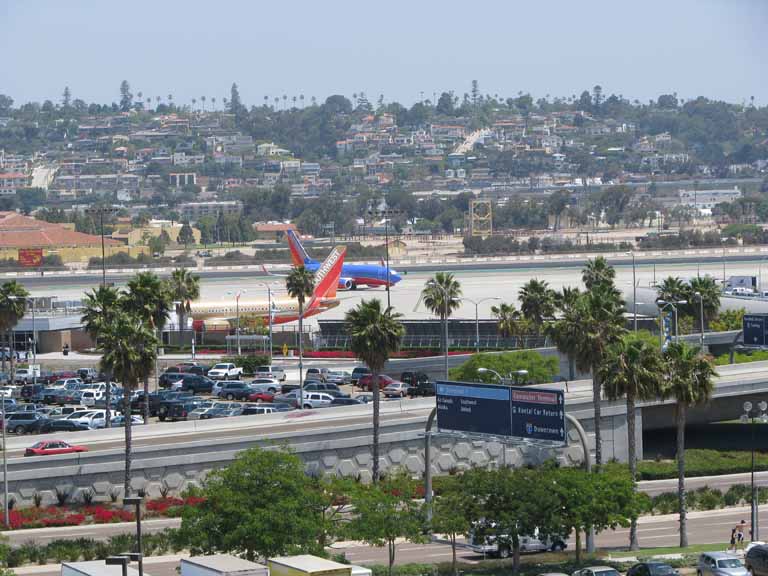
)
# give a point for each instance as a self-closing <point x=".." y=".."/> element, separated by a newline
<point x="193" y="211"/>
<point x="12" y="181"/>
<point x="708" y="199"/>
<point x="181" y="179"/>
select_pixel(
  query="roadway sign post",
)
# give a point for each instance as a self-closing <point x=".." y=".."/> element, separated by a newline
<point x="514" y="412"/>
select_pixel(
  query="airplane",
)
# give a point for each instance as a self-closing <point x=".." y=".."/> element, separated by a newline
<point x="352" y="275"/>
<point x="221" y="315"/>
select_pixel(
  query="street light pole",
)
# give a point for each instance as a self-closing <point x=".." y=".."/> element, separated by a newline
<point x="136" y="501"/>
<point x="663" y="304"/>
<point x="749" y="417"/>
<point x="634" y="293"/>
<point x="237" y="314"/>
<point x="477" y="317"/>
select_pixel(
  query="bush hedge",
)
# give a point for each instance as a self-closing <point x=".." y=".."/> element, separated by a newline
<point x="702" y="463"/>
<point x="704" y="498"/>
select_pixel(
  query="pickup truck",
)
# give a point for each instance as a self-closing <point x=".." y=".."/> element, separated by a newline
<point x="27" y="375"/>
<point x="225" y="371"/>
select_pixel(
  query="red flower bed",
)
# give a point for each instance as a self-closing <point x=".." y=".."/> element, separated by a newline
<point x="105" y="516"/>
<point x="68" y="520"/>
<point x="400" y="354"/>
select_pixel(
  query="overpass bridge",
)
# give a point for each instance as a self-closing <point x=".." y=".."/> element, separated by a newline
<point x="337" y="441"/>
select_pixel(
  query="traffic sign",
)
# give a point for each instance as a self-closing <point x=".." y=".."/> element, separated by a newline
<point x="510" y="411"/>
<point x="755" y="327"/>
<point x="474" y="408"/>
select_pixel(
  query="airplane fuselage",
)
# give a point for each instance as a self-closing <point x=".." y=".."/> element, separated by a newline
<point x="362" y="275"/>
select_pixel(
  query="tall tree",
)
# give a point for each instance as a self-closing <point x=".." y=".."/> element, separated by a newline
<point x="509" y="321"/>
<point x="633" y="368"/>
<point x="148" y="297"/>
<point x="442" y="295"/>
<point x="300" y="284"/>
<point x="100" y="306"/>
<point x="537" y="303"/>
<point x="186" y="235"/>
<point x="66" y="98"/>
<point x="184" y="288"/>
<point x="566" y="335"/>
<point x="235" y="104"/>
<point x="375" y="335"/>
<point x="672" y="289"/>
<point x="126" y="97"/>
<point x="690" y="382"/>
<point x="13" y="305"/>
<point x="709" y="292"/>
<point x="598" y="271"/>
<point x="129" y="352"/>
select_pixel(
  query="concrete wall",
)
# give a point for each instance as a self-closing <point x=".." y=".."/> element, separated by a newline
<point x="334" y="448"/>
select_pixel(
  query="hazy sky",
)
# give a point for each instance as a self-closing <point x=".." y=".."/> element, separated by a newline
<point x="190" y="48"/>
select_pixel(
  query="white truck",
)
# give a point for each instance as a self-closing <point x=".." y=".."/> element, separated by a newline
<point x="27" y="375"/>
<point x="96" y="568"/>
<point x="225" y="371"/>
<point x="221" y="565"/>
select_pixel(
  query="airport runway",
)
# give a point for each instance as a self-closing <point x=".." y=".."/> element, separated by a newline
<point x="477" y="284"/>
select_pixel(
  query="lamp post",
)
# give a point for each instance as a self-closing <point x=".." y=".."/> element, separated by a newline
<point x="701" y="317"/>
<point x="136" y="501"/>
<point x="386" y="214"/>
<point x="269" y="316"/>
<point x="517" y="374"/>
<point x="749" y="417"/>
<point x="237" y="313"/>
<point x="100" y="211"/>
<point x="484" y="370"/>
<point x="477" y="317"/>
<point x="634" y="292"/>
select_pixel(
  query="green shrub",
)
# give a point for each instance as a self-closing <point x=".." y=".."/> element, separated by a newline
<point x="736" y="495"/>
<point x="702" y="463"/>
<point x="665" y="503"/>
<point x="709" y="499"/>
<point x="249" y="364"/>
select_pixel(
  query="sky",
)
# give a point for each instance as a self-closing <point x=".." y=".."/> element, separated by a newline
<point x="405" y="50"/>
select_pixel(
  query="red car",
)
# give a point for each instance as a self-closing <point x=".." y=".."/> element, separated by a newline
<point x="50" y="447"/>
<point x="365" y="382"/>
<point x="261" y="397"/>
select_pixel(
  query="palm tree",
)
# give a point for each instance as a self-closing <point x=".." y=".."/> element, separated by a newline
<point x="213" y="102"/>
<point x="13" y="305"/>
<point x="591" y="326"/>
<point x="442" y="295"/>
<point x="194" y="101"/>
<point x="689" y="381"/>
<point x="300" y="284"/>
<point x="672" y="289"/>
<point x="202" y="99"/>
<point x="566" y="335"/>
<point x="597" y="271"/>
<point x="148" y="298"/>
<point x="537" y="302"/>
<point x="184" y="287"/>
<point x="129" y="352"/>
<point x="99" y="308"/>
<point x="634" y="368"/>
<point x="375" y="334"/>
<point x="509" y="321"/>
<point x="707" y="287"/>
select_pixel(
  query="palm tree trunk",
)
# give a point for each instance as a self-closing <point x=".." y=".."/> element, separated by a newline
<point x="108" y="400"/>
<point x="301" y="354"/>
<point x="596" y="398"/>
<point x="571" y="367"/>
<point x="632" y="454"/>
<point x="681" y="415"/>
<point x="376" y="405"/>
<point x="578" y="545"/>
<point x="128" y="447"/>
<point x="9" y="350"/>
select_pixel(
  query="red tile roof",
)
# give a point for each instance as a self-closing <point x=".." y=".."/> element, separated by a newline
<point x="274" y="227"/>
<point x="19" y="231"/>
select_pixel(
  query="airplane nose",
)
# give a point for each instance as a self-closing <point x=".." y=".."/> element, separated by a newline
<point x="394" y="277"/>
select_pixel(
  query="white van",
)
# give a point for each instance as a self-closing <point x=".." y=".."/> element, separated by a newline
<point x="275" y="372"/>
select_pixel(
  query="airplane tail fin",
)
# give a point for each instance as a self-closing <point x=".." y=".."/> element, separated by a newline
<point x="299" y="256"/>
<point x="327" y="277"/>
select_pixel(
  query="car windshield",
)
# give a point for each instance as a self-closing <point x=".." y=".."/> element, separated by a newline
<point x="606" y="573"/>
<point x="220" y="366"/>
<point x="729" y="563"/>
<point x="38" y="445"/>
<point x="661" y="570"/>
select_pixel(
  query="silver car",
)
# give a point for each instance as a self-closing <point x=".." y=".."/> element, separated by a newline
<point x="720" y="564"/>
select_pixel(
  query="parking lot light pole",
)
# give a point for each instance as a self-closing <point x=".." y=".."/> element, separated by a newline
<point x="662" y="304"/>
<point x="749" y="417"/>
<point x="136" y="501"/>
<point x="237" y="314"/>
<point x="517" y="374"/>
<point x="477" y="317"/>
<point x="634" y="292"/>
<point x="484" y="370"/>
<point x="701" y="317"/>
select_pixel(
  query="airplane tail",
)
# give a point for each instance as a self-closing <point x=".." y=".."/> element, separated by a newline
<point x="327" y="277"/>
<point x="299" y="256"/>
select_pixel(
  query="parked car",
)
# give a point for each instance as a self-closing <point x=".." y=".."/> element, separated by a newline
<point x="316" y="400"/>
<point x="53" y="447"/>
<point x="413" y="378"/>
<point x="98" y="418"/>
<point x="286" y="388"/>
<point x="29" y="391"/>
<point x="225" y="371"/>
<point x="235" y="390"/>
<point x="119" y="421"/>
<point x="196" y="383"/>
<point x="257" y="409"/>
<point x="52" y="426"/>
<point x="51" y="395"/>
<point x="317" y="374"/>
<point x="261" y="397"/>
<point x="89" y="397"/>
<point x="61" y="412"/>
<point x="64" y="382"/>
<point x="366" y="382"/>
<point x="268" y="385"/>
<point x="167" y="379"/>
<point x="357" y="373"/>
<point x="7" y="391"/>
<point x="179" y="410"/>
<point x="275" y="372"/>
<point x="756" y="560"/>
<point x="652" y="569"/>
<point x="597" y="571"/>
<point x="347" y="401"/>
<point x="326" y="387"/>
<point x="51" y="377"/>
<point x="483" y="539"/>
<point x="422" y="389"/>
<point x="23" y="422"/>
<point x="396" y="390"/>
<point x="81" y="416"/>
<point x="338" y="377"/>
<point x="26" y="375"/>
<point x="88" y="374"/>
<point x="720" y="564"/>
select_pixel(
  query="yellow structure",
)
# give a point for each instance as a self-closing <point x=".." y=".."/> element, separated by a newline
<point x="137" y="236"/>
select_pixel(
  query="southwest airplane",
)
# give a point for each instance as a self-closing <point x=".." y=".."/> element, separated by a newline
<point x="220" y="315"/>
<point x="352" y="275"/>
